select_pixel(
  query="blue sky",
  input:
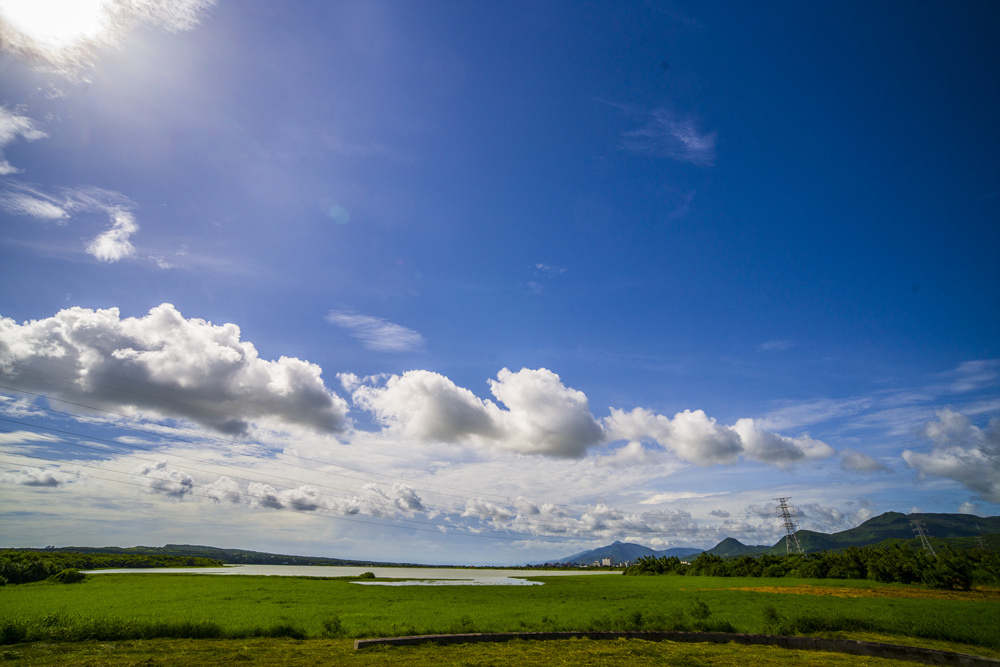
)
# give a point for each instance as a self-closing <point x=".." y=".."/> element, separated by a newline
<point x="494" y="282"/>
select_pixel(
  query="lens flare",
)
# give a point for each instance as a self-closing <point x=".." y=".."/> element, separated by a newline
<point x="56" y="24"/>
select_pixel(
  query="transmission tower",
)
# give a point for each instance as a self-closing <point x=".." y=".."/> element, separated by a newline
<point x="788" y="520"/>
<point x="981" y="543"/>
<point x="918" y="528"/>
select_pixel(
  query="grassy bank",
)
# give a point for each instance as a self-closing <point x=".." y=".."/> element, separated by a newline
<point x="116" y="607"/>
<point x="293" y="653"/>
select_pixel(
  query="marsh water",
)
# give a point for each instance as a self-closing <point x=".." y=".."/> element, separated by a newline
<point x="389" y="576"/>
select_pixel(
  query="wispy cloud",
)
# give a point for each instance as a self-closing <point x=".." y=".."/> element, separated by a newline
<point x="776" y="345"/>
<point x="376" y="333"/>
<point x="854" y="461"/>
<point x="32" y="204"/>
<point x="12" y="126"/>
<point x="112" y="245"/>
<point x="664" y="133"/>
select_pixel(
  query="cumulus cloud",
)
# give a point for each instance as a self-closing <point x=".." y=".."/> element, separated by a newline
<point x="165" y="365"/>
<point x="158" y="478"/>
<point x="963" y="452"/>
<point x="968" y="508"/>
<point x="695" y="437"/>
<point x="400" y="496"/>
<point x="224" y="490"/>
<point x="12" y="126"/>
<point x="376" y="333"/>
<point x="304" y="498"/>
<point x="543" y="416"/>
<point x="535" y="413"/>
<point x="666" y="134"/>
<point x="858" y="462"/>
<point x="778" y="449"/>
<point x="691" y="436"/>
<point x="31" y="476"/>
<point x="26" y="28"/>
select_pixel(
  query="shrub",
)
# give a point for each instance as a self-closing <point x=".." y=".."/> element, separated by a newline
<point x="68" y="576"/>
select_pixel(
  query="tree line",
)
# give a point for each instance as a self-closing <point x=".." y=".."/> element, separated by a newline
<point x="22" y="567"/>
<point x="895" y="563"/>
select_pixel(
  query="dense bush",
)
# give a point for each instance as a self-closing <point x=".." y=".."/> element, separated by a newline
<point x="68" y="576"/>
<point x="895" y="563"/>
<point x="22" y="567"/>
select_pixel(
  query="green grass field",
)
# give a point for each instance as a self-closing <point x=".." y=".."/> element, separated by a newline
<point x="117" y="610"/>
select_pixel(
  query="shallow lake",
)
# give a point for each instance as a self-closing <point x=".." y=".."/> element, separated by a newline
<point x="411" y="576"/>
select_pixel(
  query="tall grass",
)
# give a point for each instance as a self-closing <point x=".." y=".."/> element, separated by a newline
<point x="145" y="606"/>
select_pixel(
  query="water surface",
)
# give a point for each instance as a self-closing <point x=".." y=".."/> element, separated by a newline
<point x="408" y="576"/>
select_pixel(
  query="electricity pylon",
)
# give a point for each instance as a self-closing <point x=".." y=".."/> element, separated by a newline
<point x="918" y="528"/>
<point x="787" y="518"/>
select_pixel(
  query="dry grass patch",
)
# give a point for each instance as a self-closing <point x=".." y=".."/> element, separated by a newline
<point x="910" y="592"/>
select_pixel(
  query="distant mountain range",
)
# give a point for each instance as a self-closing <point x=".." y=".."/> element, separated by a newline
<point x="240" y="556"/>
<point x="623" y="552"/>
<point x="959" y="529"/>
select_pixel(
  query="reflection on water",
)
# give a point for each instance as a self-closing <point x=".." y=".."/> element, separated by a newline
<point x="486" y="581"/>
<point x="413" y="576"/>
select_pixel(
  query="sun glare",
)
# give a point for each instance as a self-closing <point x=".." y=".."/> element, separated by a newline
<point x="56" y="24"/>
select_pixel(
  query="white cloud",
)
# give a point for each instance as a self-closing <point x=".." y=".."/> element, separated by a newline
<point x="304" y="498"/>
<point x="695" y="437"/>
<point x="859" y="462"/>
<point x="968" y="508"/>
<point x="973" y="375"/>
<point x="401" y="496"/>
<point x="691" y="436"/>
<point x="633" y="454"/>
<point x="225" y="490"/>
<point x="19" y="437"/>
<point x="12" y="126"/>
<point x="426" y="406"/>
<point x="165" y="365"/>
<point x="32" y="476"/>
<point x="543" y="416"/>
<point x="778" y="449"/>
<point x="158" y="478"/>
<point x="963" y="452"/>
<point x="32" y="204"/>
<point x="114" y="244"/>
<point x="376" y="333"/>
<point x="665" y="134"/>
